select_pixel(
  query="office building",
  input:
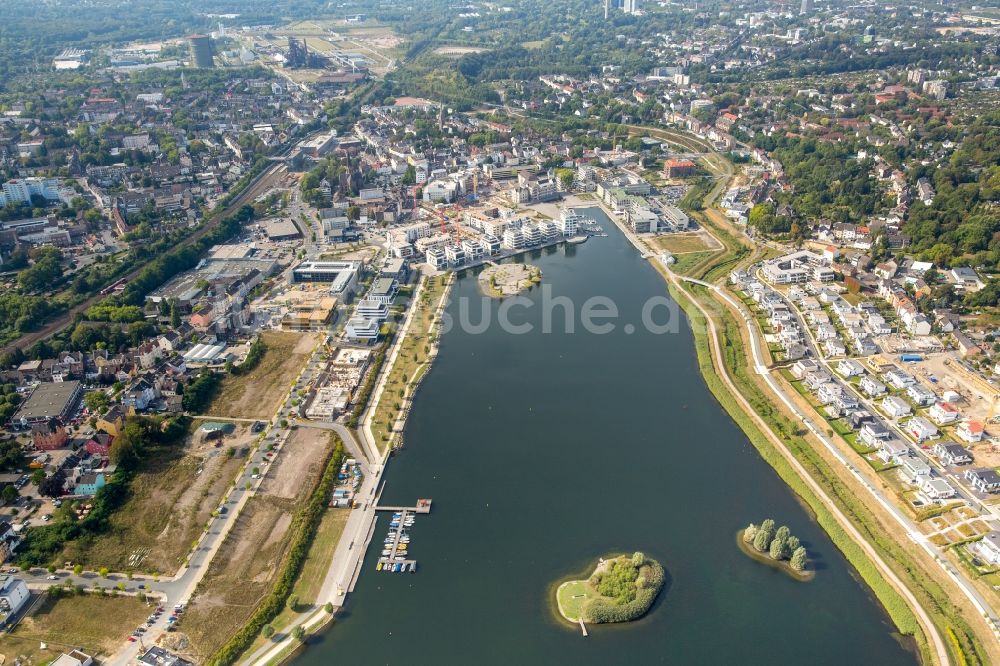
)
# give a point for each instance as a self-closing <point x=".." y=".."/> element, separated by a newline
<point x="342" y="275"/>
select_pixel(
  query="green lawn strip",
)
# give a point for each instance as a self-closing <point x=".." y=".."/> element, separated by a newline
<point x="930" y="594"/>
<point x="572" y="596"/>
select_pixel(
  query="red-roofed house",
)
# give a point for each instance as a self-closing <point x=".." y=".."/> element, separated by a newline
<point x="970" y="431"/>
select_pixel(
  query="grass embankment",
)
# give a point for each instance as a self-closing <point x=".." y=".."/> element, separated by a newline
<point x="95" y="623"/>
<point x="935" y="600"/>
<point x="415" y="350"/>
<point x="302" y="535"/>
<point x="308" y="585"/>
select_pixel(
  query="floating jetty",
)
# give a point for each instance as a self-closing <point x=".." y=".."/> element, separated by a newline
<point x="396" y="547"/>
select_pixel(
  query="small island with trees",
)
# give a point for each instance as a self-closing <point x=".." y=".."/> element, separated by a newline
<point x="509" y="279"/>
<point x="621" y="589"/>
<point x="777" y="548"/>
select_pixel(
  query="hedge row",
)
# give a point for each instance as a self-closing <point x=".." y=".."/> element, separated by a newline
<point x="304" y="530"/>
<point x="366" y="391"/>
<point x="648" y="585"/>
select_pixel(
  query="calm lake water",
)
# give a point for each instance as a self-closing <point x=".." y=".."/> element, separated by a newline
<point x="543" y="452"/>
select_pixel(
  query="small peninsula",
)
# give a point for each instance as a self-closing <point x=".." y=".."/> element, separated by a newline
<point x="509" y="279"/>
<point x="621" y="589"/>
<point x="777" y="548"/>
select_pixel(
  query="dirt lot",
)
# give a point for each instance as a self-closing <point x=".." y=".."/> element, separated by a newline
<point x="687" y="242"/>
<point x="242" y="572"/>
<point x="171" y="501"/>
<point x="977" y="396"/>
<point x="94" y="623"/>
<point x="256" y="395"/>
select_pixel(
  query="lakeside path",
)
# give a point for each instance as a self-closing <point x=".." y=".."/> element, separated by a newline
<point x="345" y="566"/>
<point x="940" y="651"/>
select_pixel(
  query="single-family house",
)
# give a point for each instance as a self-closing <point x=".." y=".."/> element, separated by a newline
<point x="984" y="480"/>
<point x="920" y="428"/>
<point x="987" y="548"/>
<point x="848" y="367"/>
<point x="914" y="469"/>
<point x="895" y="406"/>
<point x="970" y="431"/>
<point x="936" y="489"/>
<point x="113" y="421"/>
<point x="943" y="412"/>
<point x="871" y="386"/>
<point x="898" y="378"/>
<point x="89" y="483"/>
<point x="803" y="367"/>
<point x="920" y="395"/>
<point x="99" y="444"/>
<point x="951" y="453"/>
<point x="874" y="433"/>
<point x="892" y="451"/>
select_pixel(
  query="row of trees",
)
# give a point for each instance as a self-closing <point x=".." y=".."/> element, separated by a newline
<point x="778" y="543"/>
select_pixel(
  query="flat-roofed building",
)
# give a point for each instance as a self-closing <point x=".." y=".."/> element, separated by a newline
<point x="316" y="315"/>
<point x="362" y="329"/>
<point x="383" y="291"/>
<point x="51" y="400"/>
<point x="341" y="275"/>
<point x="278" y="230"/>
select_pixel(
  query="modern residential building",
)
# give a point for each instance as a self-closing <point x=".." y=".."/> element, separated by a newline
<point x="362" y="329"/>
<point x="872" y="387"/>
<point x="937" y="489"/>
<point x="13" y="595"/>
<point x="21" y="190"/>
<point x="984" y="480"/>
<point x="801" y="266"/>
<point x="920" y="428"/>
<point x="988" y="548"/>
<point x="970" y="431"/>
<point x="372" y="309"/>
<point x="383" y="290"/>
<point x="943" y="412"/>
<point x="950" y="453"/>
<point x="895" y="406"/>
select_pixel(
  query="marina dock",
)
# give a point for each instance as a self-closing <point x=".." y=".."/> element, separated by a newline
<point x="396" y="546"/>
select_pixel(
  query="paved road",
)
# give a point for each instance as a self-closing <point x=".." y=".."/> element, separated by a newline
<point x="349" y="554"/>
<point x="912" y="529"/>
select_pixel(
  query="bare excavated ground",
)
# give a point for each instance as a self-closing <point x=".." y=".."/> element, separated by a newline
<point x="256" y="394"/>
<point x="171" y="500"/>
<point x="243" y="571"/>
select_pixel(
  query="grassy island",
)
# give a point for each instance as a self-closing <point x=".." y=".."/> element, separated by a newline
<point x="777" y="548"/>
<point x="509" y="279"/>
<point x="621" y="589"/>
